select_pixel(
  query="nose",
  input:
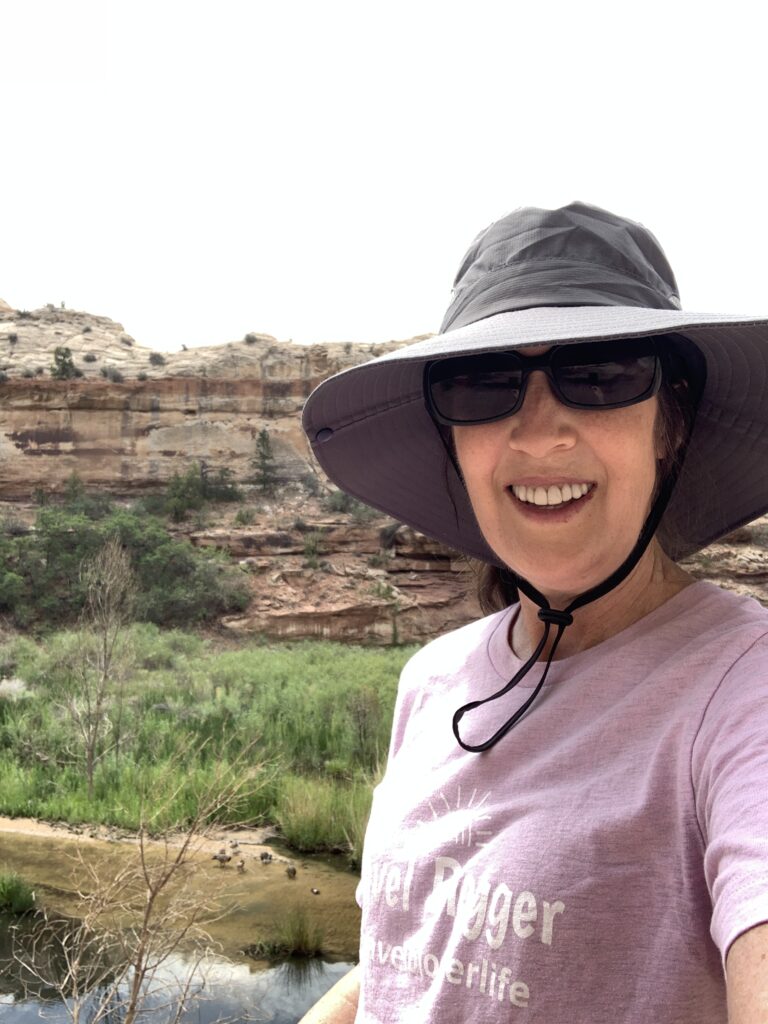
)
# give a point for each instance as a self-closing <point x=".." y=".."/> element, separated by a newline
<point x="542" y="424"/>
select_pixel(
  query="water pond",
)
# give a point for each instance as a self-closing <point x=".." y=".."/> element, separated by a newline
<point x="239" y="908"/>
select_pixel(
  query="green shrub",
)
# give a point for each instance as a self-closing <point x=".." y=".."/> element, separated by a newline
<point x="189" y="492"/>
<point x="157" y="359"/>
<point x="112" y="373"/>
<point x="310" y="484"/>
<point x="251" y="338"/>
<point x="312" y="549"/>
<point x="220" y="486"/>
<point x="177" y="583"/>
<point x="16" y="897"/>
<point x="13" y="337"/>
<point x="245" y="516"/>
<point x="3" y="376"/>
<point x="87" y="329"/>
<point x="90" y="357"/>
<point x="141" y="375"/>
<point x="63" y="367"/>
<point x="339" y="501"/>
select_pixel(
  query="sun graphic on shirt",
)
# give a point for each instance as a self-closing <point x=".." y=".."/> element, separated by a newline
<point x="471" y="815"/>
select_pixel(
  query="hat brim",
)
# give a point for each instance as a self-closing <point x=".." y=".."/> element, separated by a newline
<point x="371" y="432"/>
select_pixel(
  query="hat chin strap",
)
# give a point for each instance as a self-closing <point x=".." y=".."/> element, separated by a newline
<point x="562" y="619"/>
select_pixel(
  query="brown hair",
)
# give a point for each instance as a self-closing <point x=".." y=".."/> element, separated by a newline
<point x="683" y="373"/>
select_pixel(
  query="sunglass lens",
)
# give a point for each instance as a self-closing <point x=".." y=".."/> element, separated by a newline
<point x="472" y="390"/>
<point x="612" y="380"/>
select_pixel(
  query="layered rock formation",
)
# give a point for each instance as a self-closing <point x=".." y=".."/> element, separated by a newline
<point x="134" y="418"/>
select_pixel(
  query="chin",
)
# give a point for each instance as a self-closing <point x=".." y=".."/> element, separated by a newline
<point x="567" y="576"/>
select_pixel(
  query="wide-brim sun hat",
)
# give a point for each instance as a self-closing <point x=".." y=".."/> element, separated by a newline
<point x="575" y="274"/>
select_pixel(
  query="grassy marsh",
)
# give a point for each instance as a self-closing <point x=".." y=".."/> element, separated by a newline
<point x="315" y="716"/>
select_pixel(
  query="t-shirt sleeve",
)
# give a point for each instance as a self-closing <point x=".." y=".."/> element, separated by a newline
<point x="730" y="779"/>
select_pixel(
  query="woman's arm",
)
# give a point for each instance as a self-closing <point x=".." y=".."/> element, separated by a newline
<point x="339" y="1004"/>
<point x="747" y="977"/>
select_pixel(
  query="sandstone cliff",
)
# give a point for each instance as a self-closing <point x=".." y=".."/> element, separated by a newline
<point x="135" y="417"/>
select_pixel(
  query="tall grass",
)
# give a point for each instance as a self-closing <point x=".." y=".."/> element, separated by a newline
<point x="16" y="897"/>
<point x="317" y="814"/>
<point x="317" y="716"/>
<point x="296" y="933"/>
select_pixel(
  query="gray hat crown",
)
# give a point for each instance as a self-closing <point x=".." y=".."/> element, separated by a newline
<point x="573" y="256"/>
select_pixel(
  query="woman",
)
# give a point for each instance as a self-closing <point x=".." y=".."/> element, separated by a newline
<point x="573" y="825"/>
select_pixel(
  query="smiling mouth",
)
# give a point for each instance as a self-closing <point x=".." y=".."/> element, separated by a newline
<point x="554" y="496"/>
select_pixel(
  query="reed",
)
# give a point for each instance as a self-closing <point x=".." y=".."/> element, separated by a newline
<point x="296" y="934"/>
<point x="16" y="897"/>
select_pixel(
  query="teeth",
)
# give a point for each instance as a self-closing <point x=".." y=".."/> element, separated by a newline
<point x="552" y="495"/>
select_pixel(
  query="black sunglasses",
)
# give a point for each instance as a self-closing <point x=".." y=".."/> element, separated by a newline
<point x="490" y="386"/>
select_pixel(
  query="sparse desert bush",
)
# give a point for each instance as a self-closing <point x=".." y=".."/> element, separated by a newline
<point x="157" y="359"/>
<point x="112" y="373"/>
<point x="90" y="357"/>
<point x="339" y="501"/>
<point x="245" y="517"/>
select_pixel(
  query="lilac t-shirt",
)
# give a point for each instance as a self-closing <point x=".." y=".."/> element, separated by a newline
<point x="595" y="865"/>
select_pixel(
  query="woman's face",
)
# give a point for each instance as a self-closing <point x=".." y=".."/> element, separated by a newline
<point x="525" y="476"/>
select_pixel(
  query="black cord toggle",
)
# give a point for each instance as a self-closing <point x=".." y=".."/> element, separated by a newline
<point x="557" y="618"/>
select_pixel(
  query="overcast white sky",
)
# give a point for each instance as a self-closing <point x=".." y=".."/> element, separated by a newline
<point x="316" y="170"/>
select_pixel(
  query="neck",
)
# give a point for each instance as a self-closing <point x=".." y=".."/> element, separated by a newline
<point x="652" y="582"/>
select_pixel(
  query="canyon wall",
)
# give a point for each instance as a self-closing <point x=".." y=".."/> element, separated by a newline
<point x="133" y="418"/>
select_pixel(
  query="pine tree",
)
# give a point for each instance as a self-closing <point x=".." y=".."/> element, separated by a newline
<point x="265" y="474"/>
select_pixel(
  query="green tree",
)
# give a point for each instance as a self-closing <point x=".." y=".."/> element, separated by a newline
<point x="265" y="473"/>
<point x="63" y="367"/>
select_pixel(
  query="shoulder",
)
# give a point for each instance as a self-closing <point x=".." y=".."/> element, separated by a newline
<point x="450" y="652"/>
<point x="711" y="618"/>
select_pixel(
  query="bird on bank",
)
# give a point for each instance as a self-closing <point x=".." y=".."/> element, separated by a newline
<point x="265" y="857"/>
<point x="241" y="866"/>
<point x="222" y="857"/>
<point x="290" y="871"/>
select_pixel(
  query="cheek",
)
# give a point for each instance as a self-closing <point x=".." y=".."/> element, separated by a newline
<point x="476" y="452"/>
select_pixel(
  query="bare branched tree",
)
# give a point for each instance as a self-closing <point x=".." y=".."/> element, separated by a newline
<point x="111" y="961"/>
<point x="95" y="706"/>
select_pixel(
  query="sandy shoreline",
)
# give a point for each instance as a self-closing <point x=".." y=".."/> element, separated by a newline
<point x="252" y="838"/>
